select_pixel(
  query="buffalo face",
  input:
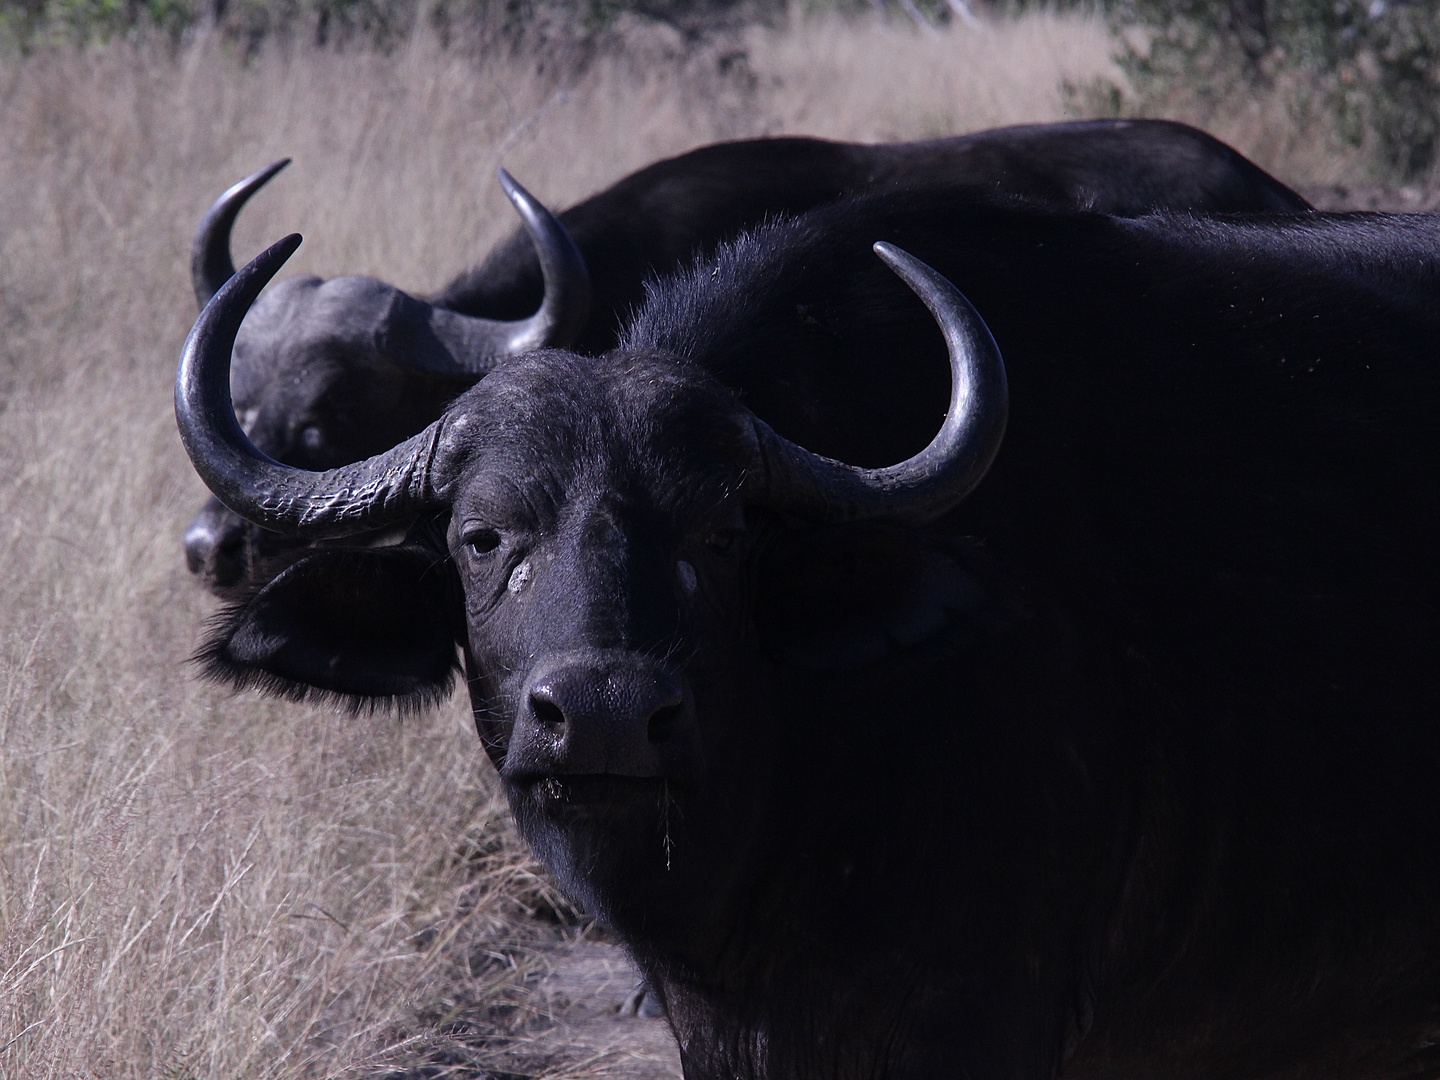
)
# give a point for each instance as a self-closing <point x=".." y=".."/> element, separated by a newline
<point x="616" y="535"/>
<point x="316" y="385"/>
<point x="331" y="372"/>
<point x="599" y="532"/>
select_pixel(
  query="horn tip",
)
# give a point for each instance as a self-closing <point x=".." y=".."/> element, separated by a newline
<point x="909" y="269"/>
<point x="268" y="173"/>
<point x="258" y="179"/>
<point x="276" y="255"/>
<point x="514" y="191"/>
<point x="892" y="256"/>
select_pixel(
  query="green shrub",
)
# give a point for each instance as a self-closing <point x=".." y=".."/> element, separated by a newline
<point x="1373" y="66"/>
<point x="27" y="23"/>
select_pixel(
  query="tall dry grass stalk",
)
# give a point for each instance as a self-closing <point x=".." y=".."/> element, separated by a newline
<point x="200" y="885"/>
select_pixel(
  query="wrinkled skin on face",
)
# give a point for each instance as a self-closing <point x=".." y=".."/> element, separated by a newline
<point x="316" y="383"/>
<point x="599" y="532"/>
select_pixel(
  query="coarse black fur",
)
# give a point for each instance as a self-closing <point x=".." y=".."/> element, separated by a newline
<point x="322" y="399"/>
<point x="1123" y="768"/>
<point x="312" y="646"/>
<point x="668" y="213"/>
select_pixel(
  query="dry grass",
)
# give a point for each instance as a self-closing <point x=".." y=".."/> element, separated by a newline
<point x="195" y="885"/>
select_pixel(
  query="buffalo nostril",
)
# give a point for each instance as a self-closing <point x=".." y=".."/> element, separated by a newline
<point x="547" y="712"/>
<point x="663" y="722"/>
<point x="194" y="558"/>
<point x="232" y="546"/>
<point x="601" y="715"/>
<point x="228" y="565"/>
<point x="199" y="542"/>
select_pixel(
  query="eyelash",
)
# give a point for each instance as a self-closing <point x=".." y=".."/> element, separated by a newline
<point x="720" y="541"/>
<point x="483" y="541"/>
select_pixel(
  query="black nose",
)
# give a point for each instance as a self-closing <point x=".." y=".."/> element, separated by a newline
<point x="215" y="545"/>
<point x="601" y="714"/>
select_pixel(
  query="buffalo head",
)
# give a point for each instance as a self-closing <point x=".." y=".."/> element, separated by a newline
<point x="330" y="372"/>
<point x="603" y="541"/>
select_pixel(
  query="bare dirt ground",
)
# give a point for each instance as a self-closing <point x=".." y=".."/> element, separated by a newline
<point x="577" y="1008"/>
<point x="588" y="992"/>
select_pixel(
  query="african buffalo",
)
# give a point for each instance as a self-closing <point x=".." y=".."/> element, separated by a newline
<point x="331" y="372"/>
<point x="1097" y="737"/>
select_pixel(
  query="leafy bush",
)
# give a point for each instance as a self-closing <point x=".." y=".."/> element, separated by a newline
<point x="27" y="23"/>
<point x="1372" y="65"/>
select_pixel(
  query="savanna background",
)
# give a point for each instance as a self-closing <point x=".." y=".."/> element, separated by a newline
<point x="195" y="884"/>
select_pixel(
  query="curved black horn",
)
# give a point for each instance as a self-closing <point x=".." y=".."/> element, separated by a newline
<point x="566" y="304"/>
<point x="941" y="475"/>
<point x="476" y="344"/>
<point x="383" y="489"/>
<point x="210" y="262"/>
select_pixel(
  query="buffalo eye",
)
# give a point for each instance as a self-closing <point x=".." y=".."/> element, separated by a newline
<point x="482" y="542"/>
<point x="721" y="541"/>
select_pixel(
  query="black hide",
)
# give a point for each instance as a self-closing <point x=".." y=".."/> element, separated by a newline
<point x="662" y="216"/>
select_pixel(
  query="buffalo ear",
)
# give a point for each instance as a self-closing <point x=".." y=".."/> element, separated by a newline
<point x="845" y="596"/>
<point x="368" y="627"/>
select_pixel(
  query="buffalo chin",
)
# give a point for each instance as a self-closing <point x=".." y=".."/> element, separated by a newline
<point x="608" y="839"/>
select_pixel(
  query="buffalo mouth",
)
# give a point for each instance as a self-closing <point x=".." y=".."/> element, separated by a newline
<point x="623" y="817"/>
<point x="597" y="795"/>
<point x="602" y="833"/>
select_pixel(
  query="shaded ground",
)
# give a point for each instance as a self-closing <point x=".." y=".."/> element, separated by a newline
<point x="564" y="1002"/>
<point x="587" y="993"/>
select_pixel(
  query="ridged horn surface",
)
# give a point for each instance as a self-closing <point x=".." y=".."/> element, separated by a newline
<point x="386" y="488"/>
